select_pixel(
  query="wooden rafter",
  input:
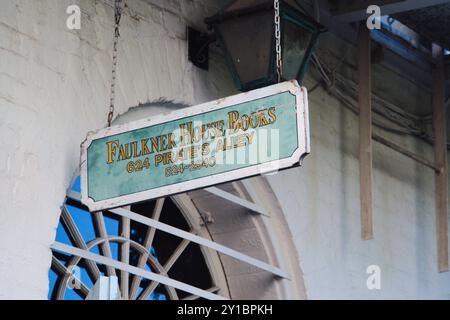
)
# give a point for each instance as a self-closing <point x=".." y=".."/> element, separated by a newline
<point x="440" y="154"/>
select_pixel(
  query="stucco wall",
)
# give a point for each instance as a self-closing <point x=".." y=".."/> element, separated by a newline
<point x="54" y="88"/>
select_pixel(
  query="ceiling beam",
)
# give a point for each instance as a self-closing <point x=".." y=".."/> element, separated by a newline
<point x="440" y="156"/>
<point x="365" y="131"/>
<point x="394" y="61"/>
<point x="415" y="56"/>
<point x="352" y="13"/>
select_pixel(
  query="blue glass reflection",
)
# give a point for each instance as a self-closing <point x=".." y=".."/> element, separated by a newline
<point x="85" y="225"/>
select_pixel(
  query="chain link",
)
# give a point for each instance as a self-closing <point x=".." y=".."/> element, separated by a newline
<point x="117" y="17"/>
<point x="279" y="61"/>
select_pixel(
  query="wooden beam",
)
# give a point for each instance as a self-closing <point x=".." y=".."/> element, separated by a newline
<point x="421" y="60"/>
<point x="365" y="131"/>
<point x="440" y="154"/>
<point x="125" y="255"/>
<point x="447" y="67"/>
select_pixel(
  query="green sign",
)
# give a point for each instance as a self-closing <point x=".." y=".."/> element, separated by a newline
<point x="232" y="138"/>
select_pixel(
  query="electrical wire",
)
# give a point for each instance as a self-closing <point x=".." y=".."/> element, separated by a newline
<point x="346" y="91"/>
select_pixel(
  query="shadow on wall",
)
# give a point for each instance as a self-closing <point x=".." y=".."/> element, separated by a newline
<point x="147" y="110"/>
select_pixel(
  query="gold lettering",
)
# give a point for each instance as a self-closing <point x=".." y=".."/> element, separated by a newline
<point x="250" y="137"/>
<point x="144" y="147"/>
<point x="111" y="150"/>
<point x="172" y="143"/>
<point x="205" y="149"/>
<point x="185" y="133"/>
<point x="240" y="141"/>
<point x="233" y="117"/>
<point x="124" y="153"/>
<point x="272" y="115"/>
<point x="263" y="120"/>
<point x="155" y="144"/>
<point x="163" y="142"/>
<point x="244" y="123"/>
<point x="135" y="149"/>
<point x="158" y="159"/>
<point x="256" y="116"/>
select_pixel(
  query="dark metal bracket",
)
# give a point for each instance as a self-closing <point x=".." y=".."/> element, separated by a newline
<point x="198" y="47"/>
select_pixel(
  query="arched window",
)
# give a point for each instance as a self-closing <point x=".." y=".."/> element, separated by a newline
<point x="213" y="243"/>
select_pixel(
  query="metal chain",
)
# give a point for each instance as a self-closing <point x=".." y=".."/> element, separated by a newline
<point x="276" y="5"/>
<point x="117" y="17"/>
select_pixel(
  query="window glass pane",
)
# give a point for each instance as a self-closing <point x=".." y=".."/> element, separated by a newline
<point x="111" y="224"/>
<point x="248" y="41"/>
<point x="83" y="221"/>
<point x="52" y="278"/>
<point x="163" y="247"/>
<point x="76" y="185"/>
<point x="61" y="235"/>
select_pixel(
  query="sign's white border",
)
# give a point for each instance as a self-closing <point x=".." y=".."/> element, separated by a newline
<point x="302" y="150"/>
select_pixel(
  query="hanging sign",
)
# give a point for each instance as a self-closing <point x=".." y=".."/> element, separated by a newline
<point x="244" y="135"/>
